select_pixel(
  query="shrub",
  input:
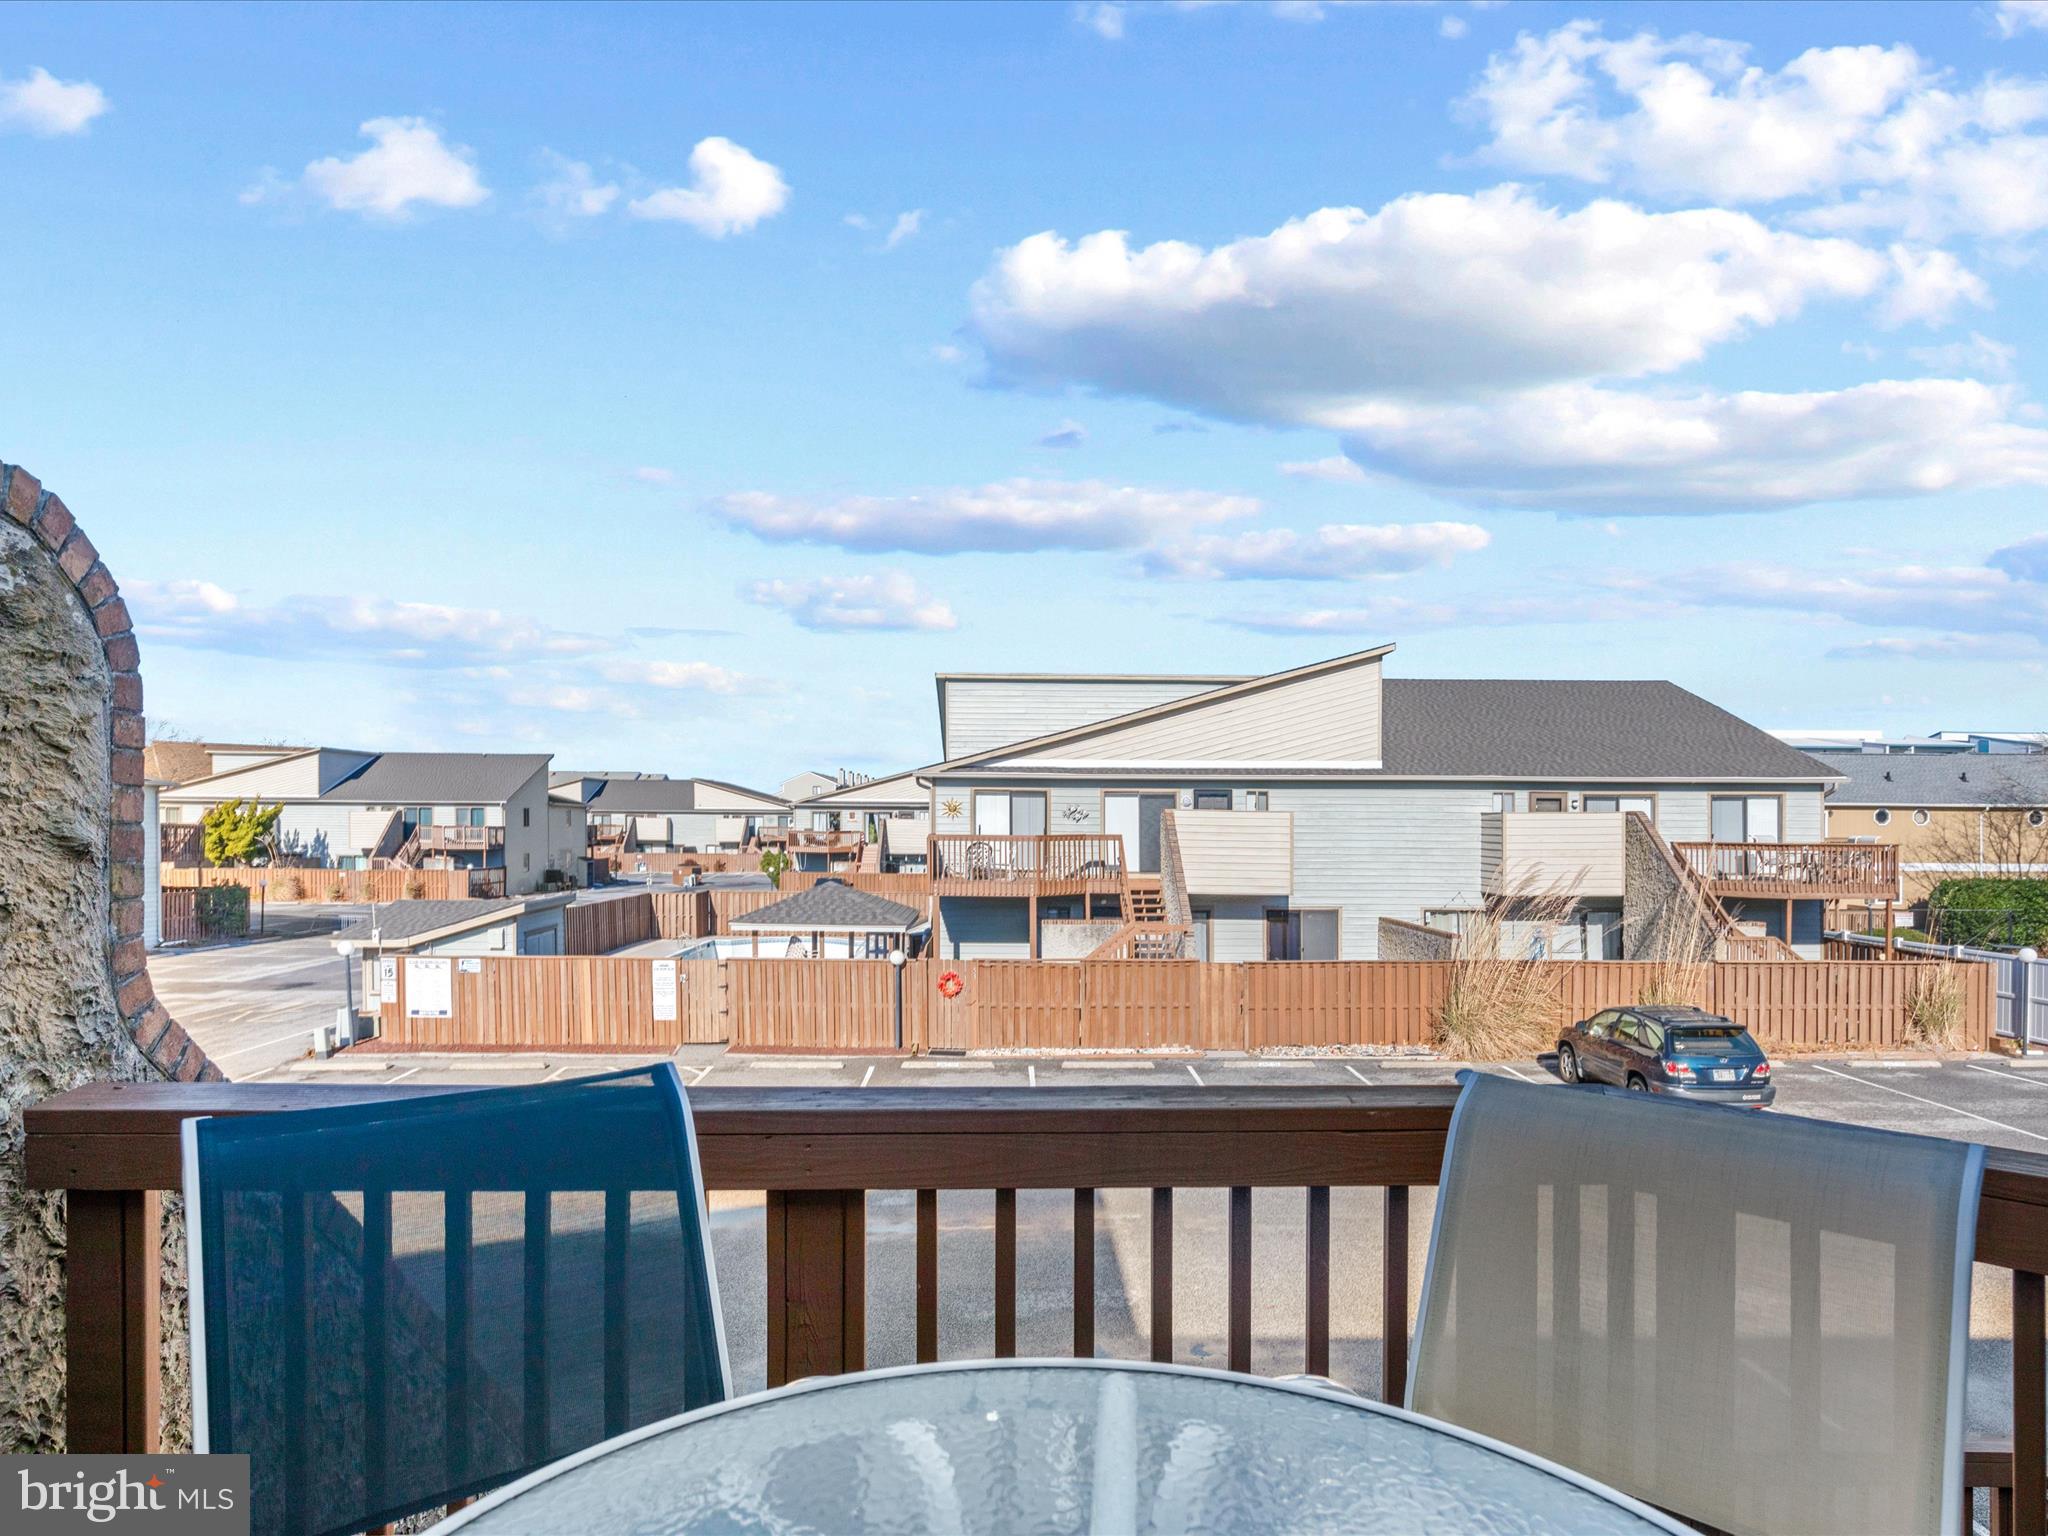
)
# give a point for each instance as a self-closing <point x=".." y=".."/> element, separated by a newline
<point x="223" y="911"/>
<point x="1934" y="1007"/>
<point x="295" y="888"/>
<point x="415" y="887"/>
<point x="337" y="889"/>
<point x="1989" y="911"/>
<point x="1500" y="1004"/>
<point x="774" y="864"/>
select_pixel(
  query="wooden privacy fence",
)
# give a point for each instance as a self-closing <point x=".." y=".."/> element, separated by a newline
<point x="850" y="1005"/>
<point x="284" y="882"/>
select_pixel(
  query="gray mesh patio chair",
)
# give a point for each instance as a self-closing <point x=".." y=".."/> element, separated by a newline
<point x="1755" y="1321"/>
<point x="406" y="1302"/>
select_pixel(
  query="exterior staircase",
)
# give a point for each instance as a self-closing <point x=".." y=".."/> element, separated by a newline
<point x="873" y="853"/>
<point x="1144" y="899"/>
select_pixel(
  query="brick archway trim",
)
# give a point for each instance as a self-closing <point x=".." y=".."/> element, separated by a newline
<point x="169" y="1049"/>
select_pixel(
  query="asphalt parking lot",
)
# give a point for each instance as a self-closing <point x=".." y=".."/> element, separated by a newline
<point x="253" y="1006"/>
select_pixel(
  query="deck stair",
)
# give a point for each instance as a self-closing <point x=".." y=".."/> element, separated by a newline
<point x="1145" y="899"/>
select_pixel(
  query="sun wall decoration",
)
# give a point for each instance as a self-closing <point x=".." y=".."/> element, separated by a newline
<point x="950" y="809"/>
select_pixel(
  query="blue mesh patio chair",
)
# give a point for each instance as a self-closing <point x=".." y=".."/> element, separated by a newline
<point x="1756" y="1321"/>
<point x="399" y="1304"/>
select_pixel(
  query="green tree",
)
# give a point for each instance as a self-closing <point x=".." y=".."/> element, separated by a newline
<point x="235" y="831"/>
<point x="773" y="863"/>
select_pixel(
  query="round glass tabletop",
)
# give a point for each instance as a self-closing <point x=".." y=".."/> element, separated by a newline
<point x="1054" y="1446"/>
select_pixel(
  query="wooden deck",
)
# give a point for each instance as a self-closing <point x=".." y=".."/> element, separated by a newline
<point x="1054" y="864"/>
<point x="1796" y="871"/>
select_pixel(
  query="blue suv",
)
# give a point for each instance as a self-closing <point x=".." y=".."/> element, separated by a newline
<point x="1683" y="1053"/>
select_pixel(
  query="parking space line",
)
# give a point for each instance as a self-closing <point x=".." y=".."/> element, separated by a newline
<point x="1511" y="1072"/>
<point x="1933" y="1103"/>
<point x="2008" y="1075"/>
<point x="798" y="1065"/>
<point x="867" y="1076"/>
<point x="702" y="1073"/>
<point x="1358" y="1074"/>
<point x="1195" y="1075"/>
<point x="243" y="1050"/>
<point x="408" y="1072"/>
<point x="1031" y="1071"/>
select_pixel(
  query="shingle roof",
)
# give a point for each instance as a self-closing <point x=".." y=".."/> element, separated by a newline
<point x="643" y="797"/>
<point x="410" y="919"/>
<point x="439" y="778"/>
<point x="1518" y="728"/>
<point x="1909" y="779"/>
<point x="180" y="762"/>
<point x="832" y="904"/>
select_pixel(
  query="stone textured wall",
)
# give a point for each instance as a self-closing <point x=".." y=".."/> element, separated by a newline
<point x="76" y="1004"/>
<point x="1661" y="915"/>
<point x="1412" y="941"/>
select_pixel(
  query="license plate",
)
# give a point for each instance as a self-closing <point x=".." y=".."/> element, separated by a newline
<point x="1723" y="1074"/>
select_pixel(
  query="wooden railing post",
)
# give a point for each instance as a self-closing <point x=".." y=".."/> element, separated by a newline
<point x="112" y="1328"/>
<point x="817" y="1283"/>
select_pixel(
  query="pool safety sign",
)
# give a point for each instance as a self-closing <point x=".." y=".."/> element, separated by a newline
<point x="664" y="991"/>
<point x="429" y="989"/>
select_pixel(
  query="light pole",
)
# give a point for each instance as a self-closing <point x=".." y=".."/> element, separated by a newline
<point x="897" y="960"/>
<point x="348" y="988"/>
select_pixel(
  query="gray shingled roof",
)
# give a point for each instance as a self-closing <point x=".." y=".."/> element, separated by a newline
<point x="643" y="797"/>
<point x="1518" y="728"/>
<point x="439" y="778"/>
<point x="1911" y="779"/>
<point x="831" y="904"/>
<point x="410" y="919"/>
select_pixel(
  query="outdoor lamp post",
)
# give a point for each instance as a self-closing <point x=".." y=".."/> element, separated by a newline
<point x="897" y="959"/>
<point x="348" y="981"/>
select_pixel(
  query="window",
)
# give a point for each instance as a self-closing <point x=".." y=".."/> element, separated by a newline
<point x="1743" y="819"/>
<point x="1301" y="934"/>
<point x="1212" y="799"/>
<point x="1921" y="818"/>
<point x="526" y="861"/>
<point x="1643" y="805"/>
<point x="2037" y="818"/>
<point x="1601" y="1025"/>
<point x="1546" y="801"/>
<point x="1503" y="799"/>
<point x="1449" y="919"/>
<point x="1009" y="813"/>
<point x="526" y="816"/>
<point x="1627" y="1029"/>
<point x="1881" y="816"/>
<point x="1255" y="800"/>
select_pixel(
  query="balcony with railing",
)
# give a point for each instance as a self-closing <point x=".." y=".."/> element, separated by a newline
<point x="1046" y="864"/>
<point x="113" y="1148"/>
<point x="1796" y="871"/>
<point x="453" y="838"/>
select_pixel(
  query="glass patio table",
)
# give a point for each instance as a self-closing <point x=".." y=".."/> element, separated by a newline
<point x="1054" y="1446"/>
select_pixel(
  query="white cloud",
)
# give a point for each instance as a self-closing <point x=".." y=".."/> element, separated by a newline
<point x="1431" y="295"/>
<point x="1585" y="449"/>
<point x="1336" y="469"/>
<point x="41" y="104"/>
<point x="1941" y="648"/>
<point x="730" y="192"/>
<point x="1692" y="116"/>
<point x="1068" y="434"/>
<point x="408" y="163"/>
<point x="654" y="474"/>
<point x="1007" y="516"/>
<point x="1105" y="18"/>
<point x="205" y="616"/>
<point x="1453" y="27"/>
<point x="2012" y="17"/>
<point x="906" y="227"/>
<point x="1334" y="552"/>
<point x="1926" y="286"/>
<point x="572" y="192"/>
<point x="1979" y="355"/>
<point x="890" y="600"/>
<point x="2024" y="561"/>
<point x="676" y="676"/>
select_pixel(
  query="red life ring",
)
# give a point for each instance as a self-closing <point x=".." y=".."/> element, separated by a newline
<point x="950" y="984"/>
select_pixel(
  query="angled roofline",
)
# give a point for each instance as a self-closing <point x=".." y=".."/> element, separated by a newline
<point x="1231" y="690"/>
<point x="513" y="907"/>
<point x="740" y="789"/>
<point x="908" y="775"/>
<point x="283" y="757"/>
<point x="940" y="679"/>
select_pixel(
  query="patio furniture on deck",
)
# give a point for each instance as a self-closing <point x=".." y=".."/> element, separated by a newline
<point x="1757" y="1320"/>
<point x="402" y="1303"/>
<point x="1035" y="1445"/>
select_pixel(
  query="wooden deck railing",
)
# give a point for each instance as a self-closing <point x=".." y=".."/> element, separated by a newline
<point x="435" y="837"/>
<point x="1796" y="871"/>
<point x="1053" y="864"/>
<point x="817" y="1153"/>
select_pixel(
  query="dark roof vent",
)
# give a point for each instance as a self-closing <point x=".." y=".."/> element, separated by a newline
<point x="1887" y="775"/>
<point x="1964" y="775"/>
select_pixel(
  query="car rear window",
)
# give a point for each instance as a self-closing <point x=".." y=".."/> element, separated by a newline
<point x="1712" y="1040"/>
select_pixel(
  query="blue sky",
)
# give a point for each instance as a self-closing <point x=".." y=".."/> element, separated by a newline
<point x="680" y="388"/>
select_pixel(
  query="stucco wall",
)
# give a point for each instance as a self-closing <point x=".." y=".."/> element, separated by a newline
<point x="76" y="1004"/>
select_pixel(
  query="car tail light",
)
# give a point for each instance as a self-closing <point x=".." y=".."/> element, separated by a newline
<point x="1678" y="1069"/>
<point x="1763" y="1069"/>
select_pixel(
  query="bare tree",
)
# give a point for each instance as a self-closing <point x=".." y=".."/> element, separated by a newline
<point x="2008" y="836"/>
